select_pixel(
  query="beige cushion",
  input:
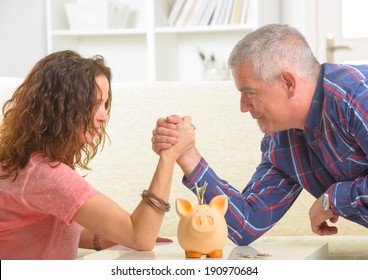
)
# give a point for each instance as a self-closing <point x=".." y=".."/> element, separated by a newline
<point x="228" y="139"/>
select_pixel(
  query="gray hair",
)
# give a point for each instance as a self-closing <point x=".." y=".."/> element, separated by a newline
<point x="273" y="48"/>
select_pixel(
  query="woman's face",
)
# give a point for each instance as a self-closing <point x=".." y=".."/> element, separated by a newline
<point x="100" y="116"/>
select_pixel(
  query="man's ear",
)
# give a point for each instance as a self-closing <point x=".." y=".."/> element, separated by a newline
<point x="289" y="81"/>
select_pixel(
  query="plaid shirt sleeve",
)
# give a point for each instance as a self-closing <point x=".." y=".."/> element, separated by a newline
<point x="251" y="213"/>
<point x="349" y="196"/>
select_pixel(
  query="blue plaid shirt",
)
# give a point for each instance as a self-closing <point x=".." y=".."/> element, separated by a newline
<point x="330" y="154"/>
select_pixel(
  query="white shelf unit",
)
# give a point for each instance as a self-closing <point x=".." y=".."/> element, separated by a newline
<point x="149" y="49"/>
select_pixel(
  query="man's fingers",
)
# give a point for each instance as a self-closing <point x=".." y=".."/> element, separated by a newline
<point x="324" y="229"/>
<point x="334" y="219"/>
<point x="163" y="123"/>
<point x="160" y="139"/>
<point x="174" y="119"/>
<point x="165" y="132"/>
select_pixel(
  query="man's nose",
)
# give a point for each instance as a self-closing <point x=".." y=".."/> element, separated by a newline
<point x="245" y="103"/>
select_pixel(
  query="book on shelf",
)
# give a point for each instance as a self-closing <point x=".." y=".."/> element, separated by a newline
<point x="208" y="12"/>
<point x="191" y="18"/>
<point x="236" y="12"/>
<point x="182" y="16"/>
<point x="202" y="8"/>
<point x="224" y="8"/>
<point x="217" y="12"/>
<point x="244" y="12"/>
<point x="228" y="10"/>
<point x="175" y="11"/>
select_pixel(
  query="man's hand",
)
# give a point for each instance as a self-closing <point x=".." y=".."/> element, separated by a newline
<point x="318" y="219"/>
<point x="165" y="133"/>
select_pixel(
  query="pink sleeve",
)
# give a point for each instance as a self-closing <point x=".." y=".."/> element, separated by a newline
<point x="59" y="191"/>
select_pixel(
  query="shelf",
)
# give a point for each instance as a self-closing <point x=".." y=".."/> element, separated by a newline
<point x="99" y="32"/>
<point x="158" y="30"/>
<point x="204" y="29"/>
<point x="149" y="50"/>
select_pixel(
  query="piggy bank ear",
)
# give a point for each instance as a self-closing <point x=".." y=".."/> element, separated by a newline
<point x="183" y="207"/>
<point x="219" y="203"/>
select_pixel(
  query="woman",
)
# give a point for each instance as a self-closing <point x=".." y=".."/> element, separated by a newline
<point x="55" y="122"/>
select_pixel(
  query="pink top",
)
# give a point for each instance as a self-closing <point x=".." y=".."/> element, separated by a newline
<point x="36" y="211"/>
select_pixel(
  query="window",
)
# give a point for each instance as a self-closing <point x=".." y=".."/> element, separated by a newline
<point x="354" y="14"/>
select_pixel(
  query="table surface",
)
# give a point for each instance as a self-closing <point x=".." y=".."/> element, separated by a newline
<point x="272" y="248"/>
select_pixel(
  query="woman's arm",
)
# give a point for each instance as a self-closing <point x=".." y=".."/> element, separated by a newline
<point x="102" y="216"/>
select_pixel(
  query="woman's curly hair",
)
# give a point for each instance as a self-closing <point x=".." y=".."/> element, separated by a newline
<point x="50" y="109"/>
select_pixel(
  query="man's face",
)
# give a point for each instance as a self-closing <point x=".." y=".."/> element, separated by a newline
<point x="268" y="104"/>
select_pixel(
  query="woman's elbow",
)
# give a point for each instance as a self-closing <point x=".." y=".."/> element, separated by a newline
<point x="143" y="245"/>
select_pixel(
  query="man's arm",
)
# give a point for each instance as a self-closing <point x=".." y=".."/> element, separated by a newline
<point x="349" y="140"/>
<point x="251" y="213"/>
<point x="255" y="210"/>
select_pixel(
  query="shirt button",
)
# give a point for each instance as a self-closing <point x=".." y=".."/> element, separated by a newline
<point x="314" y="142"/>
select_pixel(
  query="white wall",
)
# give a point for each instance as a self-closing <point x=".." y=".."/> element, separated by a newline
<point x="22" y="36"/>
<point x="301" y="14"/>
<point x="23" y="31"/>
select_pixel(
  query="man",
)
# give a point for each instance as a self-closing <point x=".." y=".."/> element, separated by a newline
<point x="316" y="136"/>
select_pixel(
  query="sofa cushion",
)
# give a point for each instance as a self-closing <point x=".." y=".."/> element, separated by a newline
<point x="228" y="139"/>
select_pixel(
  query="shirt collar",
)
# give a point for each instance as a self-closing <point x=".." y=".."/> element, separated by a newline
<point x="315" y="111"/>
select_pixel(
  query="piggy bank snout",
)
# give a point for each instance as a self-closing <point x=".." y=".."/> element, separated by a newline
<point x="203" y="222"/>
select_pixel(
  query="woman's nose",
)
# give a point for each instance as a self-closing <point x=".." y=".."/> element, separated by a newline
<point x="102" y="115"/>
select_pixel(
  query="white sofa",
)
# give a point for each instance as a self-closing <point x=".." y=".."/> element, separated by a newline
<point x="228" y="139"/>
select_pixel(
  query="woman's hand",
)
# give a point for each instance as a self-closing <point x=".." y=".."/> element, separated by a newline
<point x="165" y="134"/>
<point x="185" y="140"/>
<point x="164" y="239"/>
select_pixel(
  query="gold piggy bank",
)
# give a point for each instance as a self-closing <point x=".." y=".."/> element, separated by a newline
<point x="202" y="229"/>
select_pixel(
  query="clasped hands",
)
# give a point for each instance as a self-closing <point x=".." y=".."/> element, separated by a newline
<point x="169" y="131"/>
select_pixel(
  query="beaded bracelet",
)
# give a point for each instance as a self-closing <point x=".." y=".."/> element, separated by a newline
<point x="155" y="202"/>
<point x="96" y="243"/>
